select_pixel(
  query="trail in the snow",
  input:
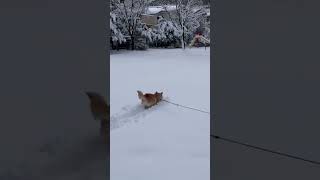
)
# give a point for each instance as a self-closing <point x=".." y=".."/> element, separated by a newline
<point x="130" y="114"/>
<point x="56" y="149"/>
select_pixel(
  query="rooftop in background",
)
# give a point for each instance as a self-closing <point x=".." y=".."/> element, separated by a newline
<point x="152" y="10"/>
<point x="156" y="9"/>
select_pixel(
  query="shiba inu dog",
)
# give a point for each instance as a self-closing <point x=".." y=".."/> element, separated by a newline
<point x="100" y="111"/>
<point x="148" y="99"/>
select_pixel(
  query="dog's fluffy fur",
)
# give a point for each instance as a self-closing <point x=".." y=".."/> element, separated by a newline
<point x="100" y="111"/>
<point x="148" y="99"/>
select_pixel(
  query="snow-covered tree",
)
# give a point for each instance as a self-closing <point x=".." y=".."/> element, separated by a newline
<point x="128" y="13"/>
<point x="207" y="29"/>
<point x="207" y="23"/>
<point x="188" y="14"/>
<point x="142" y="36"/>
<point x="116" y="34"/>
<point x="165" y="32"/>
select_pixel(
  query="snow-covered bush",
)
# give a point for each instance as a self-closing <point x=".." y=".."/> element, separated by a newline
<point x="142" y="36"/>
<point x="165" y="33"/>
<point x="116" y="34"/>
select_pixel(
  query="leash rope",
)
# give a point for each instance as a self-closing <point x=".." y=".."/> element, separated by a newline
<point x="264" y="149"/>
<point x="249" y="146"/>
<point x="179" y="105"/>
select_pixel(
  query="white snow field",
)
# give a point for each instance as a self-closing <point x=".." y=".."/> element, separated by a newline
<point x="165" y="142"/>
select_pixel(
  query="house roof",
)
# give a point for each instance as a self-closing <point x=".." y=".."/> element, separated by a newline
<point x="156" y="9"/>
<point x="151" y="10"/>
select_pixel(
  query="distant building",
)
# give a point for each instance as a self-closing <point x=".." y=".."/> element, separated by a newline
<point x="150" y="18"/>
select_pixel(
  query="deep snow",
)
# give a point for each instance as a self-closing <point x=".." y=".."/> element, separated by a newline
<point x="165" y="141"/>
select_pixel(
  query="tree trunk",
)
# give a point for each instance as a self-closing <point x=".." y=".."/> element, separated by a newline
<point x="118" y="45"/>
<point x="183" y="40"/>
<point x="183" y="36"/>
<point x="132" y="43"/>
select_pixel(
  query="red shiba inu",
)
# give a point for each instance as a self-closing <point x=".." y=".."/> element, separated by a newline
<point x="148" y="99"/>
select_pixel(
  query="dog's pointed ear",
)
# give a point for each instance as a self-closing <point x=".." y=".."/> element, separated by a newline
<point x="140" y="93"/>
<point x="89" y="94"/>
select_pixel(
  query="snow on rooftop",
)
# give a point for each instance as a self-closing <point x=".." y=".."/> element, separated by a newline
<point x="170" y="7"/>
<point x="157" y="9"/>
<point x="151" y="10"/>
<point x="154" y="10"/>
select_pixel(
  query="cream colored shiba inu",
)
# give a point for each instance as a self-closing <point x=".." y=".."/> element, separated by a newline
<point x="148" y="99"/>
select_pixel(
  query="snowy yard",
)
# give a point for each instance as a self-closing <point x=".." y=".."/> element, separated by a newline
<point x="165" y="142"/>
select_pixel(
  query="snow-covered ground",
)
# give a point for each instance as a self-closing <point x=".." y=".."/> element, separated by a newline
<point x="166" y="141"/>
